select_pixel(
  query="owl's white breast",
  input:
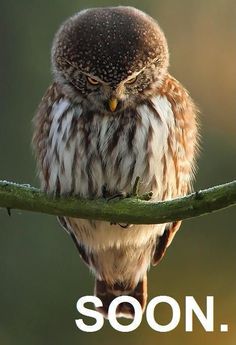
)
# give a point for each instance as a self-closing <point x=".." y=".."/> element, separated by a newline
<point x="102" y="151"/>
<point x="86" y="154"/>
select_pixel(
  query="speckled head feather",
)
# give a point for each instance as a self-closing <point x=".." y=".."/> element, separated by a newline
<point x="109" y="43"/>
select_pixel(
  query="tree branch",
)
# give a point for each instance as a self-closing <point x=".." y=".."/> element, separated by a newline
<point x="131" y="210"/>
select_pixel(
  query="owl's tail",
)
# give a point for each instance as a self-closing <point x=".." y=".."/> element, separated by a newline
<point x="107" y="293"/>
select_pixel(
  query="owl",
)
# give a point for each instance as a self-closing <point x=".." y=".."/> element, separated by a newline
<point x="113" y="113"/>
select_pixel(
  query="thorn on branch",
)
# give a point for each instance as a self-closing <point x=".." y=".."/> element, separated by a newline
<point x="198" y="195"/>
<point x="9" y="211"/>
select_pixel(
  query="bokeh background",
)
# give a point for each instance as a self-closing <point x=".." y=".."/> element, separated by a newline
<point x="41" y="275"/>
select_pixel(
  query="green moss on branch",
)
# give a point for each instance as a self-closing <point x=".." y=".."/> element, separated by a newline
<point x="129" y="210"/>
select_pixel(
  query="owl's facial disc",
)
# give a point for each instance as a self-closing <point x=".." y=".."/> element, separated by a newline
<point x="115" y="97"/>
<point x="103" y="96"/>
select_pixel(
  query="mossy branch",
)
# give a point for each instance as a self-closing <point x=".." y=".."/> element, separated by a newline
<point x="133" y="210"/>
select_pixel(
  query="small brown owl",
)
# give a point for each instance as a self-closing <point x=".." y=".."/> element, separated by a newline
<point x="113" y="113"/>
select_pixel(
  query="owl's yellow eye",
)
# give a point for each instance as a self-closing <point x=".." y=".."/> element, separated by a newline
<point x="131" y="81"/>
<point x="92" y="81"/>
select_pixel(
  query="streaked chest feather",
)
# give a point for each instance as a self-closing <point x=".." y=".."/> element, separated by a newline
<point x="87" y="151"/>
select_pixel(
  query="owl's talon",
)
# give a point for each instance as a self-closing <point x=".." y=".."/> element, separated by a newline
<point x="123" y="195"/>
<point x="106" y="195"/>
<point x="120" y="196"/>
<point x="124" y="226"/>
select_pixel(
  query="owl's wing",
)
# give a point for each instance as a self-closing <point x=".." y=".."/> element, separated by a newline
<point x="182" y="150"/>
<point x="80" y="247"/>
<point x="41" y="128"/>
<point x="164" y="241"/>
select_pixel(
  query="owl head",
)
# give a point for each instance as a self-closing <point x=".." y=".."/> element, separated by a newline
<point x="109" y="58"/>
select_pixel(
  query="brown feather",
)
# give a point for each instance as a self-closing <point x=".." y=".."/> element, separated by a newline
<point x="107" y="294"/>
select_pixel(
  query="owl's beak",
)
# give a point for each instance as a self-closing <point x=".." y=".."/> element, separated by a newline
<point x="112" y="104"/>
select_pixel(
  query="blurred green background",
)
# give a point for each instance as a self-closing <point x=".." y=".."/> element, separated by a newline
<point x="41" y="275"/>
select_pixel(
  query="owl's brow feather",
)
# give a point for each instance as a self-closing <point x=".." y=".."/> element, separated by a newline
<point x="71" y="81"/>
<point x="90" y="75"/>
<point x="80" y="70"/>
<point x="148" y="65"/>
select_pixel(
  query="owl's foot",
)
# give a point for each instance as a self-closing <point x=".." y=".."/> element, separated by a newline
<point x="124" y="226"/>
<point x="107" y="195"/>
<point x="123" y="195"/>
<point x="120" y="195"/>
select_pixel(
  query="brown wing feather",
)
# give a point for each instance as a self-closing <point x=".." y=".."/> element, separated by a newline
<point x="41" y="127"/>
<point x="186" y="132"/>
<point x="164" y="241"/>
<point x="186" y="136"/>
